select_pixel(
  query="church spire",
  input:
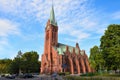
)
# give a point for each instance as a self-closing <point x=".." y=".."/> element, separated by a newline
<point x="52" y="16"/>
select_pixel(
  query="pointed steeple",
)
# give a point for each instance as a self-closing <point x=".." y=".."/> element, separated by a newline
<point x="52" y="17"/>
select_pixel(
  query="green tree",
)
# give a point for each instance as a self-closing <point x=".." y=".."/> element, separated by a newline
<point x="96" y="60"/>
<point x="15" y="66"/>
<point x="25" y="63"/>
<point x="30" y="62"/>
<point x="110" y="47"/>
<point x="4" y="65"/>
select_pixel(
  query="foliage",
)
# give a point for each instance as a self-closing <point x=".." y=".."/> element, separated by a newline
<point x="110" y="47"/>
<point x="106" y="74"/>
<point x="89" y="74"/>
<point x="95" y="59"/>
<point x="25" y="63"/>
<point x="15" y="66"/>
<point x="4" y="65"/>
<point x="98" y="77"/>
<point x="107" y="56"/>
<point x="30" y="62"/>
<point x="64" y="73"/>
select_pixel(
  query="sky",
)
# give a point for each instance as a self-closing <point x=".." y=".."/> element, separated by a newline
<point x="22" y="23"/>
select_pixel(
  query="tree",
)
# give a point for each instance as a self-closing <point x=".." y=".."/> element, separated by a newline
<point x="110" y="47"/>
<point x="26" y="63"/>
<point x="96" y="60"/>
<point x="4" y="65"/>
<point x="15" y="66"/>
<point x="30" y="62"/>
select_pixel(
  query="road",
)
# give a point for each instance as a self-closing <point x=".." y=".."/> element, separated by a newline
<point x="40" y="77"/>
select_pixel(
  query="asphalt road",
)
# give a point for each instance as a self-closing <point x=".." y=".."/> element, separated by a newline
<point x="35" y="78"/>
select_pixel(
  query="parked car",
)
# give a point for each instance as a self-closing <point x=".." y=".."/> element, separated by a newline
<point x="27" y="75"/>
<point x="9" y="76"/>
<point x="2" y="75"/>
<point x="54" y="75"/>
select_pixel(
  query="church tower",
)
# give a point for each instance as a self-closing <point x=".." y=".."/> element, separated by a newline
<point x="51" y="37"/>
<point x="58" y="57"/>
<point x="51" y="33"/>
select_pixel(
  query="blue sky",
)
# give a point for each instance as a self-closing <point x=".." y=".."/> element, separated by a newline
<point x="22" y="23"/>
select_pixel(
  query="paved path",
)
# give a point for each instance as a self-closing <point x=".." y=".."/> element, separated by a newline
<point x="40" y="77"/>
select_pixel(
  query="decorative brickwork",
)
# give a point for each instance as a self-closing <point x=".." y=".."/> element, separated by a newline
<point x="59" y="57"/>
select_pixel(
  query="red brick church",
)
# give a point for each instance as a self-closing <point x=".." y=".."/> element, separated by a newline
<point x="59" y="57"/>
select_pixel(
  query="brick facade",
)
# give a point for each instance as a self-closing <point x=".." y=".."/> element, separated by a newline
<point x="59" y="57"/>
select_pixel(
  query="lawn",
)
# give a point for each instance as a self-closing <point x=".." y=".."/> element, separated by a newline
<point x="94" y="76"/>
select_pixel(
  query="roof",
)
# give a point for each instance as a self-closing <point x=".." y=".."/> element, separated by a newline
<point x="52" y="17"/>
<point x="61" y="48"/>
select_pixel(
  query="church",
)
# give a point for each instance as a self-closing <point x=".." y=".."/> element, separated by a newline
<point x="59" y="57"/>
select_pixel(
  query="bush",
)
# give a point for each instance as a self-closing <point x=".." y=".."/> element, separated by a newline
<point x="91" y="78"/>
<point x="64" y="73"/>
<point x="89" y="74"/>
<point x="67" y="73"/>
<point x="61" y="73"/>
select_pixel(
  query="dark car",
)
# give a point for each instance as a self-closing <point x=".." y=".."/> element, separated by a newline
<point x="10" y="76"/>
<point x="27" y="75"/>
<point x="2" y="75"/>
<point x="54" y="75"/>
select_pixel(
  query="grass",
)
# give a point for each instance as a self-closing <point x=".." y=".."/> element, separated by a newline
<point x="94" y="76"/>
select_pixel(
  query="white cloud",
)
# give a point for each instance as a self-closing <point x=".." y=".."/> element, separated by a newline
<point x="7" y="27"/>
<point x="78" y="36"/>
<point x="3" y="43"/>
<point x="41" y="9"/>
<point x="76" y="14"/>
<point x="5" y="48"/>
<point x="116" y="15"/>
<point x="75" y="18"/>
<point x="32" y="37"/>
